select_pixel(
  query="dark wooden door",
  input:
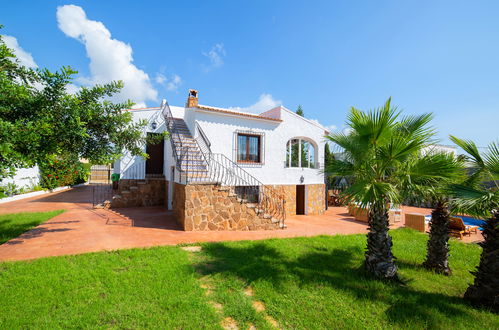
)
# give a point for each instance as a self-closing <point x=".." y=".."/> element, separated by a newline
<point x="300" y="199"/>
<point x="156" y="152"/>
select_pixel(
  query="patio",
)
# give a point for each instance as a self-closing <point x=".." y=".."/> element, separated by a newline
<point x="82" y="229"/>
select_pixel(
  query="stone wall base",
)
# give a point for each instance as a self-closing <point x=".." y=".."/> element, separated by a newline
<point x="133" y="193"/>
<point x="316" y="197"/>
<point x="210" y="207"/>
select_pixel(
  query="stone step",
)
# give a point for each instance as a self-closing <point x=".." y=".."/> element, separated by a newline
<point x="192" y="171"/>
<point x="194" y="162"/>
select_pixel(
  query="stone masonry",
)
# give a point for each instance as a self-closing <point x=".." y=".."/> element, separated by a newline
<point x="147" y="192"/>
<point x="210" y="207"/>
<point x="316" y="198"/>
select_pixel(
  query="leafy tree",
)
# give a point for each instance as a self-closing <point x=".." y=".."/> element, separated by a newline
<point x="376" y="154"/>
<point x="480" y="198"/>
<point x="40" y="120"/>
<point x="299" y="111"/>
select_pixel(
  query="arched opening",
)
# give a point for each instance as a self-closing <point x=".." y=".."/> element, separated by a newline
<point x="301" y="152"/>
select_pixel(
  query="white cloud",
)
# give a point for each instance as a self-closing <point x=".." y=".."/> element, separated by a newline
<point x="329" y="128"/>
<point x="174" y="82"/>
<point x="215" y="55"/>
<point x="347" y="130"/>
<point x="72" y="88"/>
<point x="171" y="84"/>
<point x="110" y="59"/>
<point x="23" y="56"/>
<point x="160" y="78"/>
<point x="265" y="102"/>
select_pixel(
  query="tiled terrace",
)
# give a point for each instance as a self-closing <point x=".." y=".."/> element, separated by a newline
<point x="82" y="229"/>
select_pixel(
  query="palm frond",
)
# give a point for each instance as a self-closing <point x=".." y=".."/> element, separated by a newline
<point x="471" y="149"/>
<point x="491" y="160"/>
<point x="479" y="203"/>
<point x="339" y="168"/>
<point x="417" y="127"/>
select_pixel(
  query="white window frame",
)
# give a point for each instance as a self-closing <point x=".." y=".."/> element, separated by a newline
<point x="288" y="162"/>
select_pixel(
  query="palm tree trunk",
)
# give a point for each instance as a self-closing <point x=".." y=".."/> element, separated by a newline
<point x="485" y="289"/>
<point x="437" y="253"/>
<point x="379" y="258"/>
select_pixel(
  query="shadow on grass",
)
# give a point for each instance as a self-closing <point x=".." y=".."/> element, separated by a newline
<point x="339" y="269"/>
<point x="10" y="229"/>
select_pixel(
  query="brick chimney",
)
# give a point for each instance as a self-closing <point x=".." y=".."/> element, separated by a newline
<point x="192" y="100"/>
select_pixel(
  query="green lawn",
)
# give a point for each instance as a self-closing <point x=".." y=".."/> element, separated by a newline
<point x="305" y="283"/>
<point x="13" y="225"/>
<point x="152" y="288"/>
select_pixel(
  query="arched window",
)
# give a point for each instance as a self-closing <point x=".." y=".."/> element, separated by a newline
<point x="301" y="152"/>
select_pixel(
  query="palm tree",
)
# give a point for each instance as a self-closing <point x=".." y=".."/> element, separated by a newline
<point x="375" y="157"/>
<point x="434" y="188"/>
<point x="480" y="198"/>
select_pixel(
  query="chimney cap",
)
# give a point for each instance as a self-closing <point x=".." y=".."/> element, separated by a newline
<point x="193" y="93"/>
<point x="192" y="99"/>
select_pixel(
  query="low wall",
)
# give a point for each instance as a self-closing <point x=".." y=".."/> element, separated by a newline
<point x="204" y="207"/>
<point x="133" y="193"/>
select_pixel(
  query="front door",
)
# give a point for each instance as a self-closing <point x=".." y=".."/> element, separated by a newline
<point x="156" y="152"/>
<point x="300" y="199"/>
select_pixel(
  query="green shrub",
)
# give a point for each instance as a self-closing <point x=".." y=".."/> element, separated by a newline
<point x="10" y="189"/>
<point x="83" y="172"/>
<point x="60" y="170"/>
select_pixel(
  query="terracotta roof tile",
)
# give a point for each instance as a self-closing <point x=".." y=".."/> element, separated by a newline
<point x="242" y="114"/>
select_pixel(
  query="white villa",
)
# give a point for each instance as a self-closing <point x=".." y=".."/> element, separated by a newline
<point x="224" y="169"/>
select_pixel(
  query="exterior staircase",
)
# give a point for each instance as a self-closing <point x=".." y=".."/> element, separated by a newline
<point x="191" y="161"/>
<point x="197" y="164"/>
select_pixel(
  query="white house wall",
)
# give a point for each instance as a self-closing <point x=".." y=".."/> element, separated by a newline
<point x="220" y="130"/>
<point x="133" y="167"/>
<point x="24" y="177"/>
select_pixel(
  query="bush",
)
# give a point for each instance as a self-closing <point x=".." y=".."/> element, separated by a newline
<point x="58" y="171"/>
<point x="10" y="189"/>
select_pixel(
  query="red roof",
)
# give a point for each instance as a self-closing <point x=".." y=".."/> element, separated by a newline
<point x="242" y="114"/>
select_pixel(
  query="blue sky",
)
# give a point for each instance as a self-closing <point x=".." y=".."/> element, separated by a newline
<point x="430" y="56"/>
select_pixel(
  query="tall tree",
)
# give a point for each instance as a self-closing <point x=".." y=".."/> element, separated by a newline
<point x="299" y="111"/>
<point x="435" y="189"/>
<point x="480" y="197"/>
<point x="375" y="159"/>
<point x="39" y="119"/>
<point x="328" y="159"/>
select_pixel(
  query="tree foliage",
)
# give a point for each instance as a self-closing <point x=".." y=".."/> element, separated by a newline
<point x="480" y="197"/>
<point x="40" y="119"/>
<point x="380" y="155"/>
<point x="299" y="111"/>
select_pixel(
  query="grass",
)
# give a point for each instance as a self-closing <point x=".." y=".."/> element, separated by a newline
<point x="304" y="283"/>
<point x="13" y="225"/>
<point x="319" y="282"/>
<point x="152" y="288"/>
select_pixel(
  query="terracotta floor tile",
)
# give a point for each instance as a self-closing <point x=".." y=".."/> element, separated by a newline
<point x="82" y="229"/>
